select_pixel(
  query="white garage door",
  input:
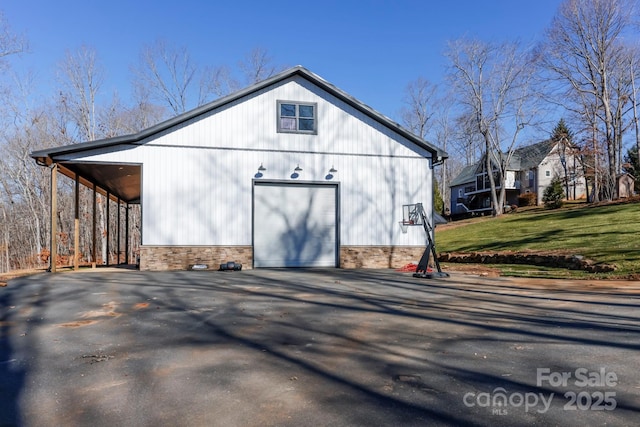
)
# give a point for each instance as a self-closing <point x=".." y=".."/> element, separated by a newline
<point x="294" y="225"/>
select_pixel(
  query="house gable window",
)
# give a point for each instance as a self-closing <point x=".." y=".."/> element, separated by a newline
<point x="297" y="117"/>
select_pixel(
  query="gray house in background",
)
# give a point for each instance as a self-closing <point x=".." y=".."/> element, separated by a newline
<point x="531" y="169"/>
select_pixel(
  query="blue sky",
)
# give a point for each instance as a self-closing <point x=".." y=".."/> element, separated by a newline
<point x="370" y="49"/>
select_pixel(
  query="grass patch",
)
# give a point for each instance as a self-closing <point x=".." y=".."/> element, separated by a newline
<point x="604" y="233"/>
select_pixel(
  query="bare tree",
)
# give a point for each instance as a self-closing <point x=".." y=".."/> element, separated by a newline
<point x="11" y="202"/>
<point x="10" y="43"/>
<point x="629" y="97"/>
<point x="492" y="84"/>
<point x="25" y="186"/>
<point x="144" y="113"/>
<point x="167" y="75"/>
<point x="117" y="119"/>
<point x="81" y="78"/>
<point x="624" y="101"/>
<point x="634" y="73"/>
<point x="257" y="66"/>
<point x="444" y="133"/>
<point x="419" y="100"/>
<point x="425" y="112"/>
<point x="220" y="81"/>
<point x="582" y="51"/>
<point x="468" y="142"/>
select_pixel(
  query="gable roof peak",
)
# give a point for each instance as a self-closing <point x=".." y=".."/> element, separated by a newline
<point x="203" y="109"/>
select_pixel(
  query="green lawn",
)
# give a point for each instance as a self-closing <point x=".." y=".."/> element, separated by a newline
<point x="606" y="234"/>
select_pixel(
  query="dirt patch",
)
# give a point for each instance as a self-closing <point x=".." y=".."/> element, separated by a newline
<point x="93" y="316"/>
<point x="108" y="310"/>
<point x="472" y="269"/>
<point x="78" y="323"/>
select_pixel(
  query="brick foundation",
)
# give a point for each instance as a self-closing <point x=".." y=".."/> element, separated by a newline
<point x="379" y="256"/>
<point x="161" y="258"/>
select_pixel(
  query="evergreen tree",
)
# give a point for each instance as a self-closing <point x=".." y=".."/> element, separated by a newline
<point x="553" y="194"/>
<point x="438" y="202"/>
<point x="564" y="137"/>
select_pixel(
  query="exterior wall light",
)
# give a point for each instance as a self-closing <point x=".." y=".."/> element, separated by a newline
<point x="331" y="173"/>
<point x="260" y="170"/>
<point x="296" y="172"/>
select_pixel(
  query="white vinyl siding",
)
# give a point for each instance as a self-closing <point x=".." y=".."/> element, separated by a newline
<point x="198" y="177"/>
<point x="250" y="125"/>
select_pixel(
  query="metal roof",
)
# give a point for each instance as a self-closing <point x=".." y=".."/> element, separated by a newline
<point x="532" y="155"/>
<point x="468" y="174"/>
<point x="523" y="158"/>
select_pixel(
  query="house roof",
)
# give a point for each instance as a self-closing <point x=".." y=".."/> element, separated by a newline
<point x="295" y="71"/>
<point x="523" y="158"/>
<point x="532" y="155"/>
<point x="468" y="174"/>
<point x="623" y="174"/>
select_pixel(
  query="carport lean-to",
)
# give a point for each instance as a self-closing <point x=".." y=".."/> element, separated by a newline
<point x="118" y="183"/>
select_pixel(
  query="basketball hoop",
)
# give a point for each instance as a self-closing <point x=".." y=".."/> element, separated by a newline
<point x="411" y="214"/>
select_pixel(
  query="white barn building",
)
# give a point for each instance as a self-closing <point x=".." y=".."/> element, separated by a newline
<point x="290" y="172"/>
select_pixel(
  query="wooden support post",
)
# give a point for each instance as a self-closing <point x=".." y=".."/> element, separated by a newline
<point x="53" y="255"/>
<point x="94" y="229"/>
<point x="118" y="232"/>
<point x="108" y="227"/>
<point x="126" y="234"/>
<point x="76" y="226"/>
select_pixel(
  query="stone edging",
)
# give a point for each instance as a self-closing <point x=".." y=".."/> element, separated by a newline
<point x="571" y="262"/>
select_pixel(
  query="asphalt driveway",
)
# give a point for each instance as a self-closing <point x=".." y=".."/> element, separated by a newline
<point x="316" y="347"/>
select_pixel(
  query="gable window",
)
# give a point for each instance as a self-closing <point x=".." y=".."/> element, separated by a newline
<point x="297" y="117"/>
